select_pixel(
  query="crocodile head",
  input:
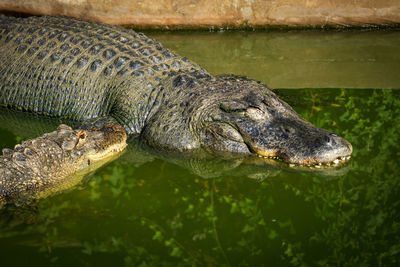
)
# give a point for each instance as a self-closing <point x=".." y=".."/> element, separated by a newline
<point x="250" y="118"/>
<point x="89" y="149"/>
<point x="56" y="161"/>
<point x="239" y="115"/>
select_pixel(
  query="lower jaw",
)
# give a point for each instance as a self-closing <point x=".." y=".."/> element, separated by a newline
<point x="276" y="155"/>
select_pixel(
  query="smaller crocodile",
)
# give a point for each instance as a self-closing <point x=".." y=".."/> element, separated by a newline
<point x="56" y="161"/>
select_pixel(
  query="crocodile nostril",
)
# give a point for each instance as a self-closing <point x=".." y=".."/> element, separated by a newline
<point x="287" y="129"/>
<point x="329" y="139"/>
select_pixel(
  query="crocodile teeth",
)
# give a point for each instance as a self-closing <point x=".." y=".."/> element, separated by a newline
<point x="312" y="165"/>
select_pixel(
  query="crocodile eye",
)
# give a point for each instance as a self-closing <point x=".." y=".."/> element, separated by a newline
<point x="82" y="134"/>
<point x="227" y="109"/>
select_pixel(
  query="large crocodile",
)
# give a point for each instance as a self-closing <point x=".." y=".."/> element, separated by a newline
<point x="81" y="70"/>
<point x="56" y="161"/>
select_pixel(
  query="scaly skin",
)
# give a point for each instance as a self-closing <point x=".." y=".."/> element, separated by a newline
<point x="65" y="67"/>
<point x="56" y="161"/>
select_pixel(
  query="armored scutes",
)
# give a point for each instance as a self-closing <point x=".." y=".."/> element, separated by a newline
<point x="65" y="67"/>
<point x="56" y="161"/>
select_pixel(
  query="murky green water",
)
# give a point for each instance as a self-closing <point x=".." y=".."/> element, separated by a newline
<point x="148" y="210"/>
<point x="296" y="59"/>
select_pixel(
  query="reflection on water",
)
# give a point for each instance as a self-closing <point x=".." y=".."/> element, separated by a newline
<point x="296" y="59"/>
<point x="149" y="209"/>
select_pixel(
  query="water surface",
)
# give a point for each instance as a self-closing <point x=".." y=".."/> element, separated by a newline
<point x="145" y="209"/>
<point x="296" y="59"/>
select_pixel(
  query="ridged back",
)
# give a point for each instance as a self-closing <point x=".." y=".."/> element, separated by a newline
<point x="61" y="66"/>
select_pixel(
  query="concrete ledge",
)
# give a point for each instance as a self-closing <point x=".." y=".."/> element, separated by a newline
<point x="219" y="13"/>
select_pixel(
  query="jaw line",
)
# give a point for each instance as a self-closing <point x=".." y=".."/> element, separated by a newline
<point x="272" y="153"/>
<point x="276" y="154"/>
<point x="114" y="149"/>
<point x="97" y="160"/>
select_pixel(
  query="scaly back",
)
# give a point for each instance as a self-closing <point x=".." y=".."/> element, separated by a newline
<point x="66" y="67"/>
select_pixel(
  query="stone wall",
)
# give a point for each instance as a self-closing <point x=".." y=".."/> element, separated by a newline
<point x="219" y="13"/>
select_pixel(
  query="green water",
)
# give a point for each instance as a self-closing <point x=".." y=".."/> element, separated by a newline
<point x="296" y="59"/>
<point x="145" y="209"/>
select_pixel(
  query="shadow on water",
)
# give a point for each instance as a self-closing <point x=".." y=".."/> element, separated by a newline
<point x="149" y="209"/>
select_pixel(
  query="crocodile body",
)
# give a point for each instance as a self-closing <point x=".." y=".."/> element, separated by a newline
<point x="66" y="67"/>
<point x="56" y="161"/>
